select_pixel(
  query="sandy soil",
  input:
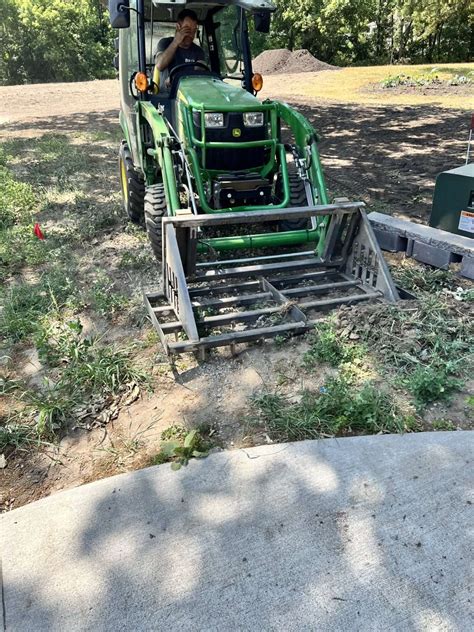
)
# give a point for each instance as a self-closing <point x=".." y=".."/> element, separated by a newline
<point x="387" y="156"/>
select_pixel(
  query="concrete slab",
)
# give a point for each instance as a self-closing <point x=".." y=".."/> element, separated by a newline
<point x="364" y="533"/>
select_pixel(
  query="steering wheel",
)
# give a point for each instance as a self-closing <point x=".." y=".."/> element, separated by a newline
<point x="175" y="69"/>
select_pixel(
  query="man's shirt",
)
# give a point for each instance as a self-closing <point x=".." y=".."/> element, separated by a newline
<point x="182" y="56"/>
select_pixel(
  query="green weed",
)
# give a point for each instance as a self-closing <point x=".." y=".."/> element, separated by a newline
<point x="416" y="278"/>
<point x="19" y="247"/>
<point x="328" y="345"/>
<point x="17" y="200"/>
<point x="443" y="424"/>
<point x="105" y="299"/>
<point x="136" y="259"/>
<point x="180" y="446"/>
<point x="432" y="383"/>
<point x="84" y="370"/>
<point x="87" y="366"/>
<point x="428" y="343"/>
<point x="395" y="81"/>
<point x="15" y="435"/>
<point x="339" y="409"/>
<point x="24" y="305"/>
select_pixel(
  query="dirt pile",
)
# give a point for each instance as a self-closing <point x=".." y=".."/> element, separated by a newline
<point x="282" y="61"/>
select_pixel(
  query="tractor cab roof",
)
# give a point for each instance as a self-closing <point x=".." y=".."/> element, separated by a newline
<point x="167" y="10"/>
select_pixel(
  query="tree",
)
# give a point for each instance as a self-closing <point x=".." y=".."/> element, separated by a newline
<point x="55" y="40"/>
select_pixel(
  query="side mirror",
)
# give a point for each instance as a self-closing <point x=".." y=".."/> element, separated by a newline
<point x="262" y="21"/>
<point x="119" y="14"/>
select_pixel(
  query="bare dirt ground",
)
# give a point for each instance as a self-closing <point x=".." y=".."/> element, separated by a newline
<point x="386" y="155"/>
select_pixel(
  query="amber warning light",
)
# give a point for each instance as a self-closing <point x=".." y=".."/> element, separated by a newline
<point x="141" y="81"/>
<point x="257" y="82"/>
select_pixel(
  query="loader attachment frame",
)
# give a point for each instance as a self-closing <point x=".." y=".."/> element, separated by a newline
<point x="273" y="295"/>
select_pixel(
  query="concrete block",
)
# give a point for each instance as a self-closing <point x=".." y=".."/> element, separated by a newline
<point x="423" y="234"/>
<point x="409" y="250"/>
<point x="432" y="255"/>
<point x="390" y="241"/>
<point x="467" y="267"/>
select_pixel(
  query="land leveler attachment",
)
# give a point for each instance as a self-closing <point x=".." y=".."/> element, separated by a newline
<point x="216" y="303"/>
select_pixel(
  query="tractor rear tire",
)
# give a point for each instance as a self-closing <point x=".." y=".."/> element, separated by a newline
<point x="132" y="185"/>
<point x="155" y="210"/>
<point x="297" y="198"/>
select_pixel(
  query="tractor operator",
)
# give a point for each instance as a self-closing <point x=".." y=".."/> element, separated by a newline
<point x="180" y="49"/>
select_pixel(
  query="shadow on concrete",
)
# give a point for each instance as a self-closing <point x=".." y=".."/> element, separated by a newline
<point x="363" y="533"/>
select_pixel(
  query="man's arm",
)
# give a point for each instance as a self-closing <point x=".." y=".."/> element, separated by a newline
<point x="163" y="59"/>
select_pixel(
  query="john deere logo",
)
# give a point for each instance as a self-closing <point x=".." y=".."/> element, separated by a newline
<point x="236" y="133"/>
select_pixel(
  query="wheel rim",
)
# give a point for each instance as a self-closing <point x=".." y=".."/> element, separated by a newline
<point x="124" y="181"/>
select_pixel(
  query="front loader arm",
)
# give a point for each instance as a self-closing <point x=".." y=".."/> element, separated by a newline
<point x="306" y="139"/>
<point x="159" y="154"/>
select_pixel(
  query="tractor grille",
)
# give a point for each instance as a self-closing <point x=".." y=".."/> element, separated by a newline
<point x="232" y="159"/>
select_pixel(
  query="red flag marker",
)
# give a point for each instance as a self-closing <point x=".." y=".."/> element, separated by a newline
<point x="38" y="232"/>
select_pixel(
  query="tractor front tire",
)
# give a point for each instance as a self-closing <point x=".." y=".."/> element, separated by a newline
<point x="155" y="210"/>
<point x="132" y="185"/>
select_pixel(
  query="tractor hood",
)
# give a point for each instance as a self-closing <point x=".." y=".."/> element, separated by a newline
<point x="214" y="94"/>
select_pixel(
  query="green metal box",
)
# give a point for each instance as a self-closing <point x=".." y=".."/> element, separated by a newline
<point x="453" y="201"/>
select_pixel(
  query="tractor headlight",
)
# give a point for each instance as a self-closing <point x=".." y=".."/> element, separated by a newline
<point x="214" y="119"/>
<point x="253" y="119"/>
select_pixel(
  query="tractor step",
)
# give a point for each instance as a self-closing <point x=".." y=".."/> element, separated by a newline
<point x="242" y="300"/>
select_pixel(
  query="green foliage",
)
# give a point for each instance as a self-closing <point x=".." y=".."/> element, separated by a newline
<point x="420" y="278"/>
<point x="373" y="31"/>
<point x="327" y="345"/>
<point x="84" y="370"/>
<point x="136" y="259"/>
<point x="24" y="304"/>
<point x="105" y="299"/>
<point x="432" y="383"/>
<point x="428" y="343"/>
<point x="340" y="408"/>
<point x="180" y="446"/>
<point x="17" y="200"/>
<point x="15" y="435"/>
<point x="443" y="424"/>
<point x="87" y="366"/>
<point x="54" y="40"/>
<point x="422" y="80"/>
<point x="407" y="80"/>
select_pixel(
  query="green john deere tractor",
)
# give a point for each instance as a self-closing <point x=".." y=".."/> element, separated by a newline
<point x="230" y="188"/>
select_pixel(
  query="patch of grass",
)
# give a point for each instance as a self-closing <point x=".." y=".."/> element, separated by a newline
<point x="50" y="410"/>
<point x="82" y="369"/>
<point x="15" y="435"/>
<point x="443" y="424"/>
<point x="413" y="277"/>
<point x="87" y="366"/>
<point x="425" y="345"/>
<point x="449" y="70"/>
<point x="353" y="85"/>
<point x="105" y="299"/>
<point x="24" y="305"/>
<point x="432" y="383"/>
<point x="393" y="81"/>
<point x="339" y="409"/>
<point x="328" y="345"/>
<point x="17" y="200"/>
<point x="181" y="445"/>
<point x="19" y="247"/>
<point x="136" y="259"/>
